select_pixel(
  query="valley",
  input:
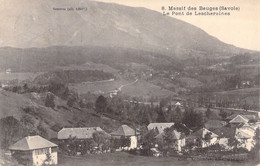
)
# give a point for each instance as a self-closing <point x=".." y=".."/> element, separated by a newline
<point x="107" y="74"/>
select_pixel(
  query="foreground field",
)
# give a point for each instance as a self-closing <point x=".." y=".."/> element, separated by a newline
<point x="125" y="159"/>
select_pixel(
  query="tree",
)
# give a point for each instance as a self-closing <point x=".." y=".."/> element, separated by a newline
<point x="71" y="101"/>
<point x="25" y="87"/>
<point x="181" y="128"/>
<point x="101" y="104"/>
<point x="233" y="142"/>
<point x="160" y="117"/>
<point x="99" y="137"/>
<point x="176" y="116"/>
<point x="48" y="159"/>
<point x="125" y="141"/>
<point x="223" y="114"/>
<point x="143" y="118"/>
<point x="49" y="100"/>
<point x="208" y="113"/>
<point x="28" y="123"/>
<point x="192" y="119"/>
<point x="148" y="141"/>
<point x="42" y="130"/>
<point x="169" y="138"/>
<point x="255" y="150"/>
<point x="207" y="138"/>
<point x="10" y="129"/>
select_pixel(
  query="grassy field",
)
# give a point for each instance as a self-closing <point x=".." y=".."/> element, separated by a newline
<point x="246" y="95"/>
<point x="97" y="87"/>
<point x="132" y="88"/>
<point x="146" y="89"/>
<point x="125" y="159"/>
<point x="89" y="66"/>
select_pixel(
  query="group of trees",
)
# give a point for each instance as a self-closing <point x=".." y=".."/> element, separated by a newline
<point x="12" y="129"/>
<point x="52" y="89"/>
<point x="25" y="88"/>
<point x="72" y="76"/>
<point x="142" y="114"/>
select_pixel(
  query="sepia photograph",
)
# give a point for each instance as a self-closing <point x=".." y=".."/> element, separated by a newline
<point x="129" y="82"/>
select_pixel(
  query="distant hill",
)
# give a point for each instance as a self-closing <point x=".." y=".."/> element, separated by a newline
<point x="46" y="59"/>
<point x="37" y="24"/>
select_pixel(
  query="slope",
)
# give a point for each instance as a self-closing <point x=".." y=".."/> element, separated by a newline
<point x="38" y="24"/>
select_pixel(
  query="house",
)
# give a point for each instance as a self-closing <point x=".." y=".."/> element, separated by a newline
<point x="177" y="104"/>
<point x="238" y="120"/>
<point x="245" y="138"/>
<point x="79" y="133"/>
<point x="178" y="138"/>
<point x="35" y="150"/>
<point x="199" y="137"/>
<point x="224" y="134"/>
<point x="248" y="117"/>
<point x="8" y="71"/>
<point x="243" y="135"/>
<point x="159" y="126"/>
<point x="127" y="132"/>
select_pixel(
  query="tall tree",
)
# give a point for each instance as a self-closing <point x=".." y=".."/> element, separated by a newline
<point x="160" y="117"/>
<point x="208" y="113"/>
<point x="101" y="104"/>
<point x="176" y="116"/>
<point x="223" y="114"/>
<point x="49" y="100"/>
<point x="100" y="138"/>
<point x="148" y="141"/>
<point x="192" y="119"/>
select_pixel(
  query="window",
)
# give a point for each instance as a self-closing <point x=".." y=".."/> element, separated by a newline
<point x="54" y="149"/>
<point x="41" y="151"/>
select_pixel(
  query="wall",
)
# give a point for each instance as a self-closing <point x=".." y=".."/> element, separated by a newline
<point x="133" y="142"/>
<point x="40" y="156"/>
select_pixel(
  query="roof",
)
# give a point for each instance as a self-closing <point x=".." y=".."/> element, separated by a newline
<point x="243" y="134"/>
<point x="79" y="133"/>
<point x="176" y="135"/>
<point x="239" y="119"/>
<point x="201" y="133"/>
<point x="31" y="143"/>
<point x="124" y="130"/>
<point x="159" y="126"/>
<point x="226" y="132"/>
<point x="231" y="116"/>
<point x="248" y="130"/>
<point x="249" y="117"/>
<point x="212" y="124"/>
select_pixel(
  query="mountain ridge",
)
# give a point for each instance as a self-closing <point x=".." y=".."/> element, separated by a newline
<point x="105" y="25"/>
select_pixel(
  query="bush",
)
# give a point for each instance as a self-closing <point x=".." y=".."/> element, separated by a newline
<point x="49" y="101"/>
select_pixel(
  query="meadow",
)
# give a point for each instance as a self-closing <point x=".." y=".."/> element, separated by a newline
<point x="125" y="159"/>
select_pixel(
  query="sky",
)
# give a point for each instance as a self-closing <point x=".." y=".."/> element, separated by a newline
<point x="241" y="28"/>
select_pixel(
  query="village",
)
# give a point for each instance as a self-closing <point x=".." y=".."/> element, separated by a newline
<point x="236" y="138"/>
